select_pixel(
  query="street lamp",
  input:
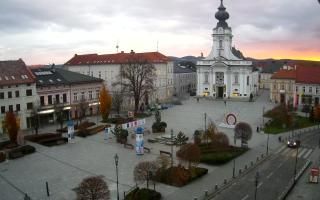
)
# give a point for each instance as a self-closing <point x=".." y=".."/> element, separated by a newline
<point x="256" y="184"/>
<point x="234" y="168"/>
<point x="116" y="161"/>
<point x="295" y="165"/>
<point x="171" y="147"/>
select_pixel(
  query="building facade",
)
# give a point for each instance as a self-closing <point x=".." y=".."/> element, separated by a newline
<point x="66" y="89"/>
<point x="17" y="92"/>
<point x="107" y="67"/>
<point x="185" y="81"/>
<point x="224" y="73"/>
<point x="282" y="86"/>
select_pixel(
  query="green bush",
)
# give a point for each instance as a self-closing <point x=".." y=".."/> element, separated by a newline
<point x="219" y="157"/>
<point x="27" y="149"/>
<point x="143" y="194"/>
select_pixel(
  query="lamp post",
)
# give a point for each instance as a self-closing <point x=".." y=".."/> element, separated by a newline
<point x="234" y="168"/>
<point x="116" y="161"/>
<point x="256" y="185"/>
<point x="171" y="147"/>
<point x="295" y="165"/>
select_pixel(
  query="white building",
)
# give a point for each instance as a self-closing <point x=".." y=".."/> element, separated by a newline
<point x="107" y="67"/>
<point x="185" y="81"/>
<point x="17" y="92"/>
<point x="224" y="73"/>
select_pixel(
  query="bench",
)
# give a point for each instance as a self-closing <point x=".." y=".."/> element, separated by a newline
<point x="128" y="146"/>
<point x="165" y="152"/>
<point x="146" y="149"/>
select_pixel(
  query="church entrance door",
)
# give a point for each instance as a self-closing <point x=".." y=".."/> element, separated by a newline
<point x="220" y="92"/>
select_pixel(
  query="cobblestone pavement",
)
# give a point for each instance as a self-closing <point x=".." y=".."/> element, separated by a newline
<point x="65" y="166"/>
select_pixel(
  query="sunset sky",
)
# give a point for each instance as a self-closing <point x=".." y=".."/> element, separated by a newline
<point x="52" y="31"/>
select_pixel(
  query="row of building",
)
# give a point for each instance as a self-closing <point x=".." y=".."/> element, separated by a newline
<point x="26" y="89"/>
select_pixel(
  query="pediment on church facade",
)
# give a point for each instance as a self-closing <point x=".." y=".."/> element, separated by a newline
<point x="220" y="65"/>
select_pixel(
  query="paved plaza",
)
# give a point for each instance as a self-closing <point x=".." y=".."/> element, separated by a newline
<point x="63" y="167"/>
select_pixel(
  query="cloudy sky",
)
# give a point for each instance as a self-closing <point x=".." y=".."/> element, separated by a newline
<point x="52" y="31"/>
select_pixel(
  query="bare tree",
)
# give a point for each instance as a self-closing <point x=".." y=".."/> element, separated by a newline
<point x="143" y="171"/>
<point x="117" y="101"/>
<point x="60" y="116"/>
<point x="83" y="107"/>
<point x="136" y="77"/>
<point x="243" y="131"/>
<point x="189" y="153"/>
<point x="163" y="161"/>
<point x="35" y="118"/>
<point x="93" y="188"/>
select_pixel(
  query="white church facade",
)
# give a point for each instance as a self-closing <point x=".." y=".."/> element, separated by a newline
<point x="225" y="73"/>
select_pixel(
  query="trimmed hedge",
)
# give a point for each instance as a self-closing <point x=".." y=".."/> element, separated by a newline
<point x="47" y="139"/>
<point x="179" y="176"/>
<point x="27" y="149"/>
<point x="92" y="131"/>
<point x="143" y="194"/>
<point x="222" y="156"/>
<point x="21" y="151"/>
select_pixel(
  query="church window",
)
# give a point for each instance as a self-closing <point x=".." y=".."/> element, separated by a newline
<point x="310" y="89"/>
<point x="304" y="89"/>
<point x="206" y="77"/>
<point x="220" y="44"/>
<point x="282" y="87"/>
<point x="248" y="80"/>
<point x="236" y="78"/>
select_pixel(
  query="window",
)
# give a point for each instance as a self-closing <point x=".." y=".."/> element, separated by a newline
<point x="97" y="94"/>
<point x="75" y="96"/>
<point x="50" y="99"/>
<point x="9" y="95"/>
<point x="29" y="92"/>
<point x="92" y="73"/>
<point x="289" y="87"/>
<point x="82" y="96"/>
<point x="11" y="108"/>
<point x="29" y="106"/>
<point x="90" y="95"/>
<point x="248" y="80"/>
<point x="317" y="90"/>
<point x="310" y="89"/>
<point x="42" y="100"/>
<point x="57" y="98"/>
<point x="236" y="78"/>
<point x="206" y="77"/>
<point x="64" y="97"/>
<point x="1" y="95"/>
<point x="3" y="109"/>
<point x="304" y="89"/>
<point x="297" y="89"/>
<point x="18" y="107"/>
<point x="282" y="87"/>
<point x="99" y="74"/>
<point x="17" y="94"/>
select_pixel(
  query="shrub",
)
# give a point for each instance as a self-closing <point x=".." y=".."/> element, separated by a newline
<point x="92" y="188"/>
<point x="280" y="115"/>
<point x="143" y="194"/>
<point x="27" y="149"/>
<point x="2" y="157"/>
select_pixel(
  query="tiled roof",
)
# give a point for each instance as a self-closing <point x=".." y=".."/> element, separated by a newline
<point x="14" y="72"/>
<point x="284" y="74"/>
<point x="309" y="75"/>
<point x="119" y="58"/>
<point x="58" y="76"/>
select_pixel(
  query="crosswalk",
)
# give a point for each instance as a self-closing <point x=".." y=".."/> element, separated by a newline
<point x="291" y="152"/>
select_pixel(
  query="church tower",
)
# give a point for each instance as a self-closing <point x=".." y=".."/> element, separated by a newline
<point x="222" y="37"/>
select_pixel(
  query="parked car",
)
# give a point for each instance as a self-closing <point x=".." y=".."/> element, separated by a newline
<point x="292" y="143"/>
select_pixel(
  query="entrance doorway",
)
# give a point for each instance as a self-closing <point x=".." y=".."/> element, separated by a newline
<point x="282" y="98"/>
<point x="220" y="92"/>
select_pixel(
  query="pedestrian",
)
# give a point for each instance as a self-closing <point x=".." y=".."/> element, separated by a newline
<point x="198" y="99"/>
<point x="279" y="138"/>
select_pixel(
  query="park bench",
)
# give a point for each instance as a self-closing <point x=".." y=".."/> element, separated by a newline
<point x="146" y="149"/>
<point x="128" y="146"/>
<point x="165" y="152"/>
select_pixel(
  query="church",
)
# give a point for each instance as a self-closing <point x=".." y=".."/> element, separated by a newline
<point x="225" y="73"/>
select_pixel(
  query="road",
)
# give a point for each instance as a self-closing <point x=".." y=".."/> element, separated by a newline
<point x="274" y="174"/>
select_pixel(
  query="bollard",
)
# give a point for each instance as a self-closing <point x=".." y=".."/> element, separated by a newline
<point x="245" y="167"/>
<point x="257" y="159"/>
<point x="225" y="181"/>
<point x="240" y="171"/>
<point x="262" y="155"/>
<point x="216" y="187"/>
<point x="251" y="163"/>
<point x="206" y="193"/>
<point x="47" y="187"/>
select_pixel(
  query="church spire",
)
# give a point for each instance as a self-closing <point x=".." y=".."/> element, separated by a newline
<point x="222" y="15"/>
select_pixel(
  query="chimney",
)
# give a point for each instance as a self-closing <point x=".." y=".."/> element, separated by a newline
<point x="131" y="51"/>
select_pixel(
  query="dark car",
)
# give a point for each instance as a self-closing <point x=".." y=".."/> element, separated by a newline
<point x="293" y="143"/>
